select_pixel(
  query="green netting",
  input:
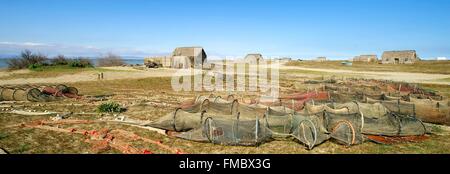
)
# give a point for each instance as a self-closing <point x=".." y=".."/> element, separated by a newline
<point x="229" y="132"/>
<point x="215" y="105"/>
<point x="344" y="123"/>
<point x="182" y="121"/>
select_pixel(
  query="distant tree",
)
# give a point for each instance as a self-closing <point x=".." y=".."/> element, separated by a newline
<point x="81" y="62"/>
<point x="60" y="60"/>
<point x="26" y="59"/>
<point x="110" y="60"/>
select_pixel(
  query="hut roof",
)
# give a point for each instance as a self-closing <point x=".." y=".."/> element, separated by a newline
<point x="190" y="52"/>
<point x="400" y="54"/>
<point x="256" y="55"/>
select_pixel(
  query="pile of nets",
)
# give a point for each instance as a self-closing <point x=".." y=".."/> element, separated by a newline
<point x="37" y="93"/>
<point x="397" y="97"/>
<point x="227" y="122"/>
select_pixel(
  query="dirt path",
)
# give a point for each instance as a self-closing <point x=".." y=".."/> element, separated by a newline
<point x="395" y="76"/>
<point x="130" y="73"/>
<point x="124" y="73"/>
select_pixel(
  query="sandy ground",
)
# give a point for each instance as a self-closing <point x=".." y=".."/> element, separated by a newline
<point x="131" y="73"/>
<point x="395" y="76"/>
<point x="4" y="73"/>
<point x="124" y="73"/>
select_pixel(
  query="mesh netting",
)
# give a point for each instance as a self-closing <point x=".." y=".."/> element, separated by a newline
<point x="344" y="128"/>
<point x="37" y="93"/>
<point x="215" y="105"/>
<point x="375" y="110"/>
<point x="24" y="94"/>
<point x="229" y="132"/>
<point x="219" y="121"/>
<point x="388" y="125"/>
<point x="432" y="111"/>
<point x="181" y="121"/>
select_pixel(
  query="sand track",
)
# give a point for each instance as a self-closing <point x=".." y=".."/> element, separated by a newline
<point x="394" y="76"/>
<point x="130" y="73"/>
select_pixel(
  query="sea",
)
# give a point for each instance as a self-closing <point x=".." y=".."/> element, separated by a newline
<point x="129" y="61"/>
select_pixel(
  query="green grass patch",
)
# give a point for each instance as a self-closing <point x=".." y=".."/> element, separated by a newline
<point x="110" y="107"/>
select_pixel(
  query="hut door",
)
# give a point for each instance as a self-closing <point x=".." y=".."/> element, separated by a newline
<point x="397" y="60"/>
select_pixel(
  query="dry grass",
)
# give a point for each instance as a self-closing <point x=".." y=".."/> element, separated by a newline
<point x="434" y="67"/>
<point x="55" y="71"/>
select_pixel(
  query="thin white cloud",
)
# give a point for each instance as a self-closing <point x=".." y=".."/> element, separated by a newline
<point x="72" y="50"/>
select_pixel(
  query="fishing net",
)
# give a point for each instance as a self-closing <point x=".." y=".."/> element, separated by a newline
<point x="215" y="105"/>
<point x="182" y="121"/>
<point x="344" y="96"/>
<point x="24" y="94"/>
<point x="279" y="110"/>
<point x="229" y="132"/>
<point x="344" y="128"/>
<point x="389" y="125"/>
<point x="375" y="110"/>
<point x="308" y="130"/>
<point x="432" y="111"/>
<point x="252" y="111"/>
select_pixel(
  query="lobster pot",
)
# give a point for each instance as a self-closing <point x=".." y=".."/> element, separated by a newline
<point x="235" y="132"/>
<point x="182" y="121"/>
<point x="179" y="121"/>
<point x="223" y="107"/>
<point x="343" y="97"/>
<point x="344" y="128"/>
<point x="391" y="98"/>
<point x="62" y="88"/>
<point x="372" y="96"/>
<point x="232" y="132"/>
<point x="394" y="125"/>
<point x="252" y="111"/>
<point x="400" y="107"/>
<point x="375" y="110"/>
<point x="72" y="90"/>
<point x="279" y="124"/>
<point x="20" y="95"/>
<point x="198" y="106"/>
<point x="8" y="94"/>
<point x="432" y="111"/>
<point x="344" y="133"/>
<point x="279" y="110"/>
<point x="309" y="130"/>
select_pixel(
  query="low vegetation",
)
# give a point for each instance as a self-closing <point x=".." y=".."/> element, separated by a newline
<point x="110" y="60"/>
<point x="27" y="59"/>
<point x="110" y="107"/>
<point x="434" y="67"/>
<point x="39" y="62"/>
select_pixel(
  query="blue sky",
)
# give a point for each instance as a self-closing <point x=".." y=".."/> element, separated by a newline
<point x="300" y="29"/>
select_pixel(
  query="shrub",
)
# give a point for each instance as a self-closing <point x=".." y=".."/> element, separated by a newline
<point x="26" y="59"/>
<point x="80" y="63"/>
<point x="111" y="107"/>
<point x="60" y="60"/>
<point x="35" y="66"/>
<point x="110" y="60"/>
